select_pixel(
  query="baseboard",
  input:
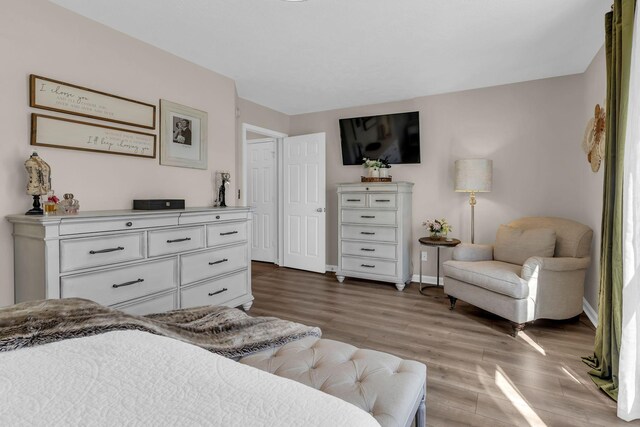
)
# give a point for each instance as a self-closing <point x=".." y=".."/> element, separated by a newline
<point x="331" y="268"/>
<point x="590" y="312"/>
<point x="430" y="280"/>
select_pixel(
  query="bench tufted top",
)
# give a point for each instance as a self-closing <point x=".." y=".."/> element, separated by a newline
<point x="382" y="384"/>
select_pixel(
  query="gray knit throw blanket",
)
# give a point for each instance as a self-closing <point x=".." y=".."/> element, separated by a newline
<point x="225" y="331"/>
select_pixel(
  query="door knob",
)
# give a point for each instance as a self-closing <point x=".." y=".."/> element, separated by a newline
<point x="319" y="210"/>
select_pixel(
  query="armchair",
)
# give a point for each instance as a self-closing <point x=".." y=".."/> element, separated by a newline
<point x="535" y="270"/>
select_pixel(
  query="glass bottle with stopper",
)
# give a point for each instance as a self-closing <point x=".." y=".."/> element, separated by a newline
<point x="39" y="181"/>
<point x="69" y="205"/>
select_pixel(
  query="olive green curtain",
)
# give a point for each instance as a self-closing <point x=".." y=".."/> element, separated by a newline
<point x="604" y="362"/>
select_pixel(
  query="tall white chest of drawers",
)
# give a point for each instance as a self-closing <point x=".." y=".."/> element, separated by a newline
<point x="137" y="261"/>
<point x="374" y="232"/>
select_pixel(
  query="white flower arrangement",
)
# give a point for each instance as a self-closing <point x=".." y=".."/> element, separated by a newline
<point x="371" y="164"/>
<point x="438" y="226"/>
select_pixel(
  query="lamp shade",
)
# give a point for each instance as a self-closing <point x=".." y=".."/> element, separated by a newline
<point x="474" y="175"/>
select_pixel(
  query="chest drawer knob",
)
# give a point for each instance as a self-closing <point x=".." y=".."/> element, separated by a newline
<point x="218" y="292"/>
<point x="367" y="233"/>
<point x="353" y="200"/>
<point x="367" y="249"/>
<point x="367" y="265"/>
<point x="104" y="251"/>
<point x="220" y="261"/>
<point x="228" y="233"/>
<point x="133" y="282"/>
<point x="217" y="216"/>
<point x="367" y="216"/>
<point x="184" y="239"/>
<point x="383" y="200"/>
<point x="129" y="224"/>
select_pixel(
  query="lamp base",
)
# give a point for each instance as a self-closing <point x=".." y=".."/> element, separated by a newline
<point x="37" y="209"/>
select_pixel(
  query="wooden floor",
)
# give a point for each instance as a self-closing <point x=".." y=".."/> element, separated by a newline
<point x="476" y="373"/>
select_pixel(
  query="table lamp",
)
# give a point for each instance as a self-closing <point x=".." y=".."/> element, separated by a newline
<point x="473" y="176"/>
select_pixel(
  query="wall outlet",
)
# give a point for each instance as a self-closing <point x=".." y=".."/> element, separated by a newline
<point x="423" y="255"/>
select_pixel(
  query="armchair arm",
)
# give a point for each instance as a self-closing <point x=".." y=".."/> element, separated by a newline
<point x="473" y="252"/>
<point x="536" y="263"/>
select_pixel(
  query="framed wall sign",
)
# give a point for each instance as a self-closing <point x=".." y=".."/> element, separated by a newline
<point x="183" y="136"/>
<point x="57" y="132"/>
<point x="55" y="95"/>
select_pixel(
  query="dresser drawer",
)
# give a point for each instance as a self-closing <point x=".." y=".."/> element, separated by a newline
<point x="95" y="225"/>
<point x="163" y="242"/>
<point x="226" y="232"/>
<point x="378" y="188"/>
<point x="202" y="265"/>
<point x="376" y="250"/>
<point x="381" y="200"/>
<point x="115" y="286"/>
<point x="76" y="254"/>
<point x="215" y="292"/>
<point x="370" y="266"/>
<point x="369" y="216"/>
<point x="196" y="218"/>
<point x="157" y="304"/>
<point x="353" y="200"/>
<point x="375" y="234"/>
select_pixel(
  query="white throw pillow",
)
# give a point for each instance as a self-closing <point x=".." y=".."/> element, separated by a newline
<point x="516" y="245"/>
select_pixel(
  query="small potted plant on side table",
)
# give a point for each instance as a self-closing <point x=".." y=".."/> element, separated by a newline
<point x="439" y="228"/>
<point x="372" y="166"/>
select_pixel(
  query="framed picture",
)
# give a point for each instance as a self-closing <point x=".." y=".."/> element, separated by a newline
<point x="183" y="136"/>
<point x="54" y="95"/>
<point x="48" y="131"/>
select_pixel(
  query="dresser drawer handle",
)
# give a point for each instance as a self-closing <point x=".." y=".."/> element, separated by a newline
<point x="133" y="282"/>
<point x="383" y="200"/>
<point x="104" y="251"/>
<point x="129" y="224"/>
<point x="228" y="233"/>
<point x="184" y="239"/>
<point x="367" y="265"/>
<point x="367" y="216"/>
<point x="368" y="233"/>
<point x="367" y="249"/>
<point x="218" y="292"/>
<point x="219" y="261"/>
<point x="354" y="200"/>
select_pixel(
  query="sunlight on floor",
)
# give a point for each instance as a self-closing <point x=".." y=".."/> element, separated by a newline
<point x="508" y="389"/>
<point x="532" y="343"/>
<point x="570" y="375"/>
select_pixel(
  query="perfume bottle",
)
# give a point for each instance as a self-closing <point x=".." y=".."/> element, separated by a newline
<point x="70" y="205"/>
<point x="51" y="205"/>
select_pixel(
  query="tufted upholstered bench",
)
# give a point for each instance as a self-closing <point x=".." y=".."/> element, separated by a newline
<point x="391" y="389"/>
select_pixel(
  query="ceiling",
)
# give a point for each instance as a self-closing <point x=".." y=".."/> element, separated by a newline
<point x="325" y="54"/>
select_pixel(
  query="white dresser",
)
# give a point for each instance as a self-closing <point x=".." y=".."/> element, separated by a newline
<point x="137" y="261"/>
<point x="374" y="232"/>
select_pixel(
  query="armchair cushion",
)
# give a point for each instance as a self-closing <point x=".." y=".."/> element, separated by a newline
<point x="473" y="252"/>
<point x="516" y="245"/>
<point x="534" y="264"/>
<point x="496" y="276"/>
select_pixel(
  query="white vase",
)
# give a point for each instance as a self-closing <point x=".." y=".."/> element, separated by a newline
<point x="374" y="172"/>
<point x="384" y="173"/>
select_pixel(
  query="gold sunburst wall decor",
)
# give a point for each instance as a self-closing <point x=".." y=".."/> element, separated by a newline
<point x="593" y="143"/>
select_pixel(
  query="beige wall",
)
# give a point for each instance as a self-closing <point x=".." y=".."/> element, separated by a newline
<point x="41" y="38"/>
<point x="531" y="130"/>
<point x="590" y="184"/>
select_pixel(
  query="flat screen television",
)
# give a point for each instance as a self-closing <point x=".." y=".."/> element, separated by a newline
<point x="394" y="137"/>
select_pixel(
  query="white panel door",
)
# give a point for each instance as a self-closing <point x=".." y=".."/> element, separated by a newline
<point x="304" y="202"/>
<point x="262" y="197"/>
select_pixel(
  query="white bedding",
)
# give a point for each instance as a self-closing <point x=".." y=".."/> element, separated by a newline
<point x="136" y="378"/>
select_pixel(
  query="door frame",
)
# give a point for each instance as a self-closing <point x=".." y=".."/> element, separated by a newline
<point x="279" y="138"/>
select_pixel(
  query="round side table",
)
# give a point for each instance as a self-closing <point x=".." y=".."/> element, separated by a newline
<point x="441" y="243"/>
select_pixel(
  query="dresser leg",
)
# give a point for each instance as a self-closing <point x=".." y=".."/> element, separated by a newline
<point x="340" y="278"/>
<point x="400" y="286"/>
<point x="247" y="306"/>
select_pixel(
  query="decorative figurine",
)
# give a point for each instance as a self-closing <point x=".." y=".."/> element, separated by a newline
<point x="222" y="180"/>
<point x="39" y="181"/>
